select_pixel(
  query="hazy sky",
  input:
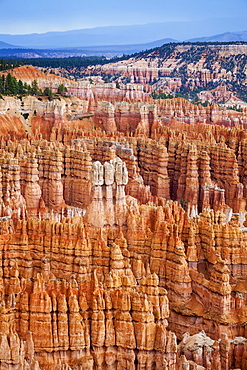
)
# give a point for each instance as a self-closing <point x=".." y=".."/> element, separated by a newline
<point x="27" y="16"/>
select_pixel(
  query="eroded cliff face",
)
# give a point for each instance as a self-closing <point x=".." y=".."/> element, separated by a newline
<point x="38" y="115"/>
<point x="101" y="269"/>
<point x="175" y="68"/>
<point x="123" y="241"/>
<point x="82" y="89"/>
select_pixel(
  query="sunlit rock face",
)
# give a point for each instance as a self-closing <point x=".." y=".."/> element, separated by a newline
<point x="123" y="244"/>
<point x="210" y="71"/>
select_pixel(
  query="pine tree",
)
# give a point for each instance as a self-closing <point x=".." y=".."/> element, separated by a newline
<point x="35" y="88"/>
<point x="21" y="89"/>
<point x="3" y="83"/>
<point x="25" y="86"/>
<point x="1" y="86"/>
<point x="62" y="89"/>
<point x="11" y="86"/>
<point x="47" y="92"/>
<point x="2" y="65"/>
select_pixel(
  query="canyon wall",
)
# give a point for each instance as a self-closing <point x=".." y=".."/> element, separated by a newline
<point x="93" y="248"/>
<point x="123" y="239"/>
<point x="188" y="66"/>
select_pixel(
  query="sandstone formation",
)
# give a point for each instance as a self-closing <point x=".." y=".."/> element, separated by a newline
<point x="127" y="109"/>
<point x="83" y="89"/>
<point x="123" y="239"/>
<point x="176" y="67"/>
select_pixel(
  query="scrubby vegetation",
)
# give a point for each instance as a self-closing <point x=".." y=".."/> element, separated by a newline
<point x="235" y="107"/>
<point x="155" y="95"/>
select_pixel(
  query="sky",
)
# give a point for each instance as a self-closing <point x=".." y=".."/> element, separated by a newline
<point x="38" y="16"/>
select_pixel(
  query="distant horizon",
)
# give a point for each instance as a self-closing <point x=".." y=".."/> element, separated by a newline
<point x="120" y="25"/>
<point x="33" y="16"/>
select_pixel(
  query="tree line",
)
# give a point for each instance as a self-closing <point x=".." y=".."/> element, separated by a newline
<point x="70" y="62"/>
<point x="9" y="85"/>
<point x="8" y="64"/>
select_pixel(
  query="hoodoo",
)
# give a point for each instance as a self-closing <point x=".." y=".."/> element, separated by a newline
<point x="123" y="238"/>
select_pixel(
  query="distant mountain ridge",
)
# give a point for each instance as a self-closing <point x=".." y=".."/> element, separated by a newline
<point x="126" y="35"/>
<point x="224" y="37"/>
<point x="4" y="45"/>
<point x="75" y="39"/>
<point x="109" y="51"/>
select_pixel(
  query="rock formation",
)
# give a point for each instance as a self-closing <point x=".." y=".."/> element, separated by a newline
<point x="176" y="67"/>
<point x="123" y="240"/>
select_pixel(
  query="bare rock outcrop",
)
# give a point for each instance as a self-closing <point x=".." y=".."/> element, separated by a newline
<point x="122" y="246"/>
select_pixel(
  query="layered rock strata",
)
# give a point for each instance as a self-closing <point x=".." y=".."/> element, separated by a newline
<point x="118" y="249"/>
<point x="85" y="281"/>
<point x="188" y="67"/>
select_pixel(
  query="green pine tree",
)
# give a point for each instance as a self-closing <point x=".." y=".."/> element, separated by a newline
<point x="25" y="86"/>
<point x="34" y="88"/>
<point x="11" y="85"/>
<point x="62" y="89"/>
<point x="1" y="86"/>
<point x="21" y="89"/>
<point x="47" y="92"/>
